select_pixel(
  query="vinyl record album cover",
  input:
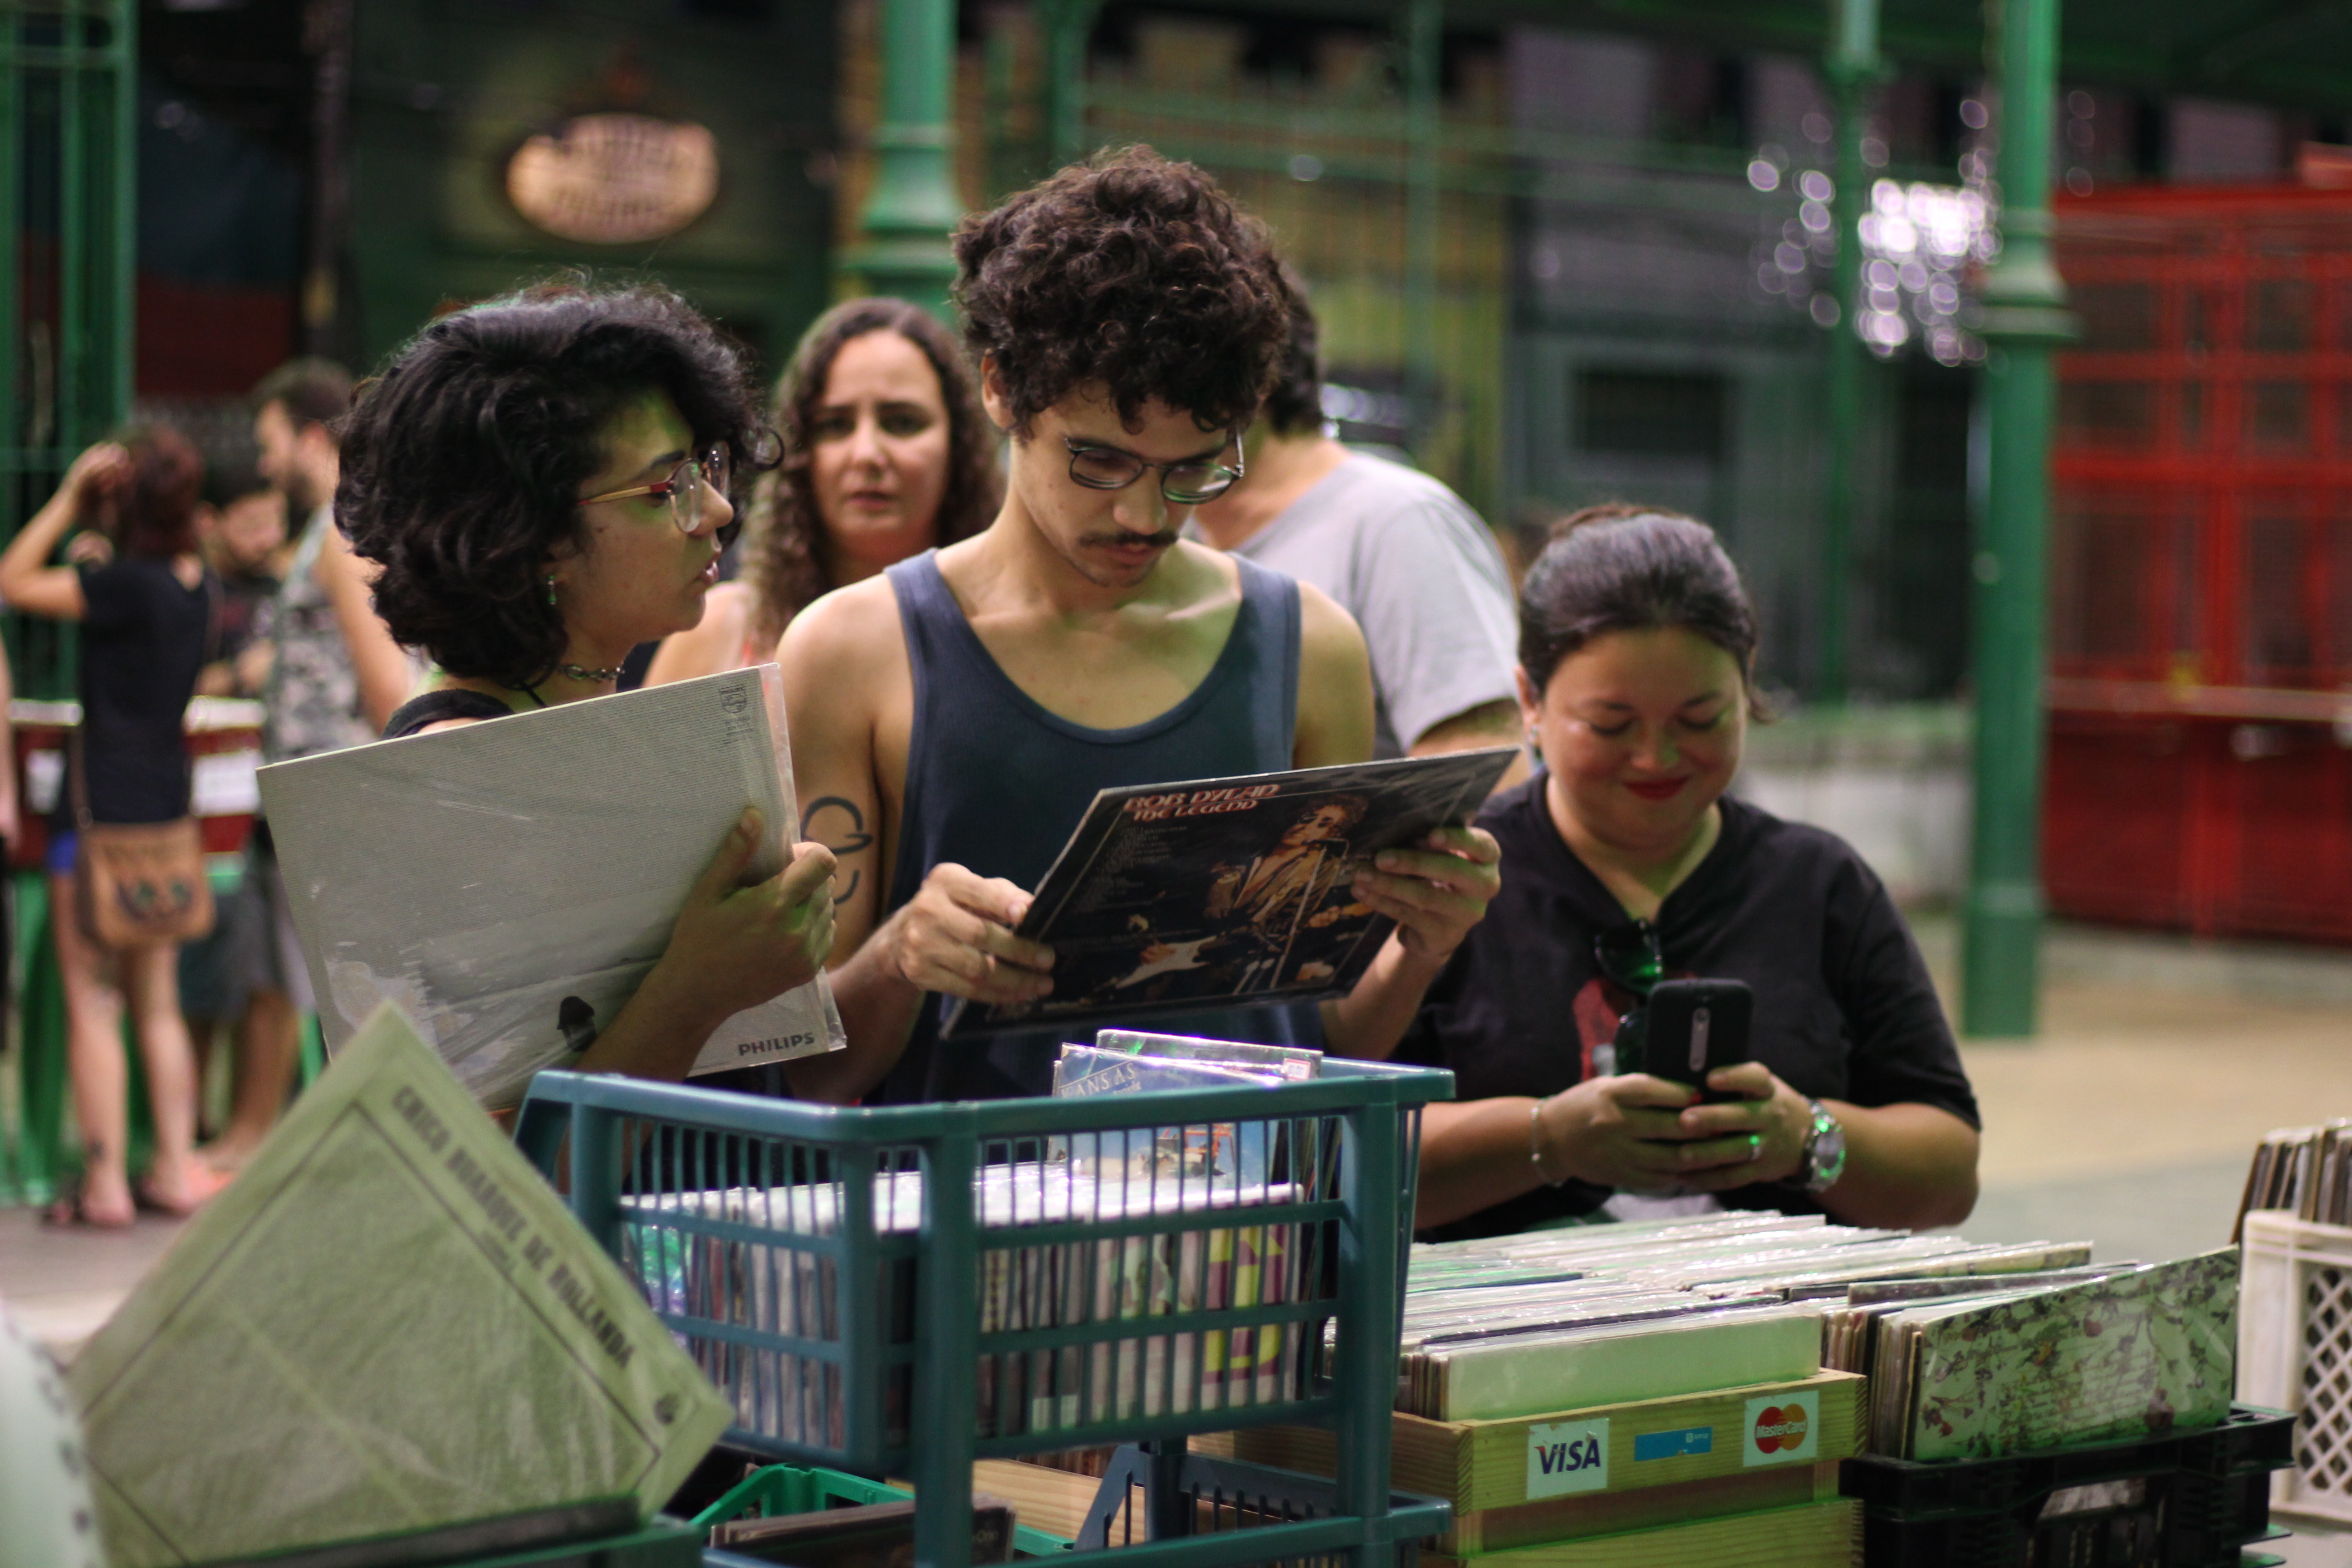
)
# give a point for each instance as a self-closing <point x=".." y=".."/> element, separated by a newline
<point x="1173" y="898"/>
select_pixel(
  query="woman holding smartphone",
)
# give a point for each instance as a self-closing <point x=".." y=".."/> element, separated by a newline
<point x="1626" y="864"/>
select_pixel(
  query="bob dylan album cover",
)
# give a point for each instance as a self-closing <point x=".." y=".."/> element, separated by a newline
<point x="1171" y="898"/>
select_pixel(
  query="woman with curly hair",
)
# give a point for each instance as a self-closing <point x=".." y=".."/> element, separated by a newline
<point x="887" y="454"/>
<point x="146" y="605"/>
<point x="543" y="481"/>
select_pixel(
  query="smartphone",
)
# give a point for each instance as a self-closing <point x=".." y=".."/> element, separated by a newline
<point x="1694" y="1027"/>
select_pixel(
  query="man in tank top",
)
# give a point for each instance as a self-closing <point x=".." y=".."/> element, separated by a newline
<point x="952" y="719"/>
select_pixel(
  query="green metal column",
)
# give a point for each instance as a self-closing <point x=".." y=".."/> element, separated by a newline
<point x="12" y="222"/>
<point x="326" y="329"/>
<point x="1068" y="25"/>
<point x="68" y="196"/>
<point x="1853" y="71"/>
<point x="1423" y="52"/>
<point x="913" y="208"/>
<point x="2025" y="319"/>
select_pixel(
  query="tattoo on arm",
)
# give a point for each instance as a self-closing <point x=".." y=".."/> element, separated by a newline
<point x="852" y="840"/>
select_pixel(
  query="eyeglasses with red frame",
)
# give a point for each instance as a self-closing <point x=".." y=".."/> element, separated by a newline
<point x="684" y="487"/>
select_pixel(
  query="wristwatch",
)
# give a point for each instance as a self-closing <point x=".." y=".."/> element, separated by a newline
<point x="1824" y="1151"/>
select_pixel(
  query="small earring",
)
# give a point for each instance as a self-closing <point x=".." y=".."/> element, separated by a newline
<point x="551" y="593"/>
<point x="1534" y="744"/>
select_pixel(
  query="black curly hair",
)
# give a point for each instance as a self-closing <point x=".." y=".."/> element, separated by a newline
<point x="462" y="460"/>
<point x="1131" y="272"/>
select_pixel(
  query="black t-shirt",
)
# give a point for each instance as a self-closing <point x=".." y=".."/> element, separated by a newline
<point x="1844" y="1008"/>
<point x="143" y="641"/>
<point x="242" y="597"/>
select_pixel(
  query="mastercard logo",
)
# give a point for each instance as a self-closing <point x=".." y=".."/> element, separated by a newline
<point x="1780" y="1428"/>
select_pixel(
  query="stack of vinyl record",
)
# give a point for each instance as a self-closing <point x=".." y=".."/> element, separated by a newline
<point x="2305" y="1170"/>
<point x="1637" y="1394"/>
<point x="1980" y="1369"/>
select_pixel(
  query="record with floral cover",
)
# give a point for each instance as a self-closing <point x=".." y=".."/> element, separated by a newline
<point x="1178" y="897"/>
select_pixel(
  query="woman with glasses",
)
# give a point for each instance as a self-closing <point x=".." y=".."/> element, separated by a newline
<point x="1630" y="865"/>
<point x="885" y="454"/>
<point x="544" y="482"/>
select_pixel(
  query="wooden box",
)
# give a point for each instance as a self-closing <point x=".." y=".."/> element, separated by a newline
<point x="1611" y="1468"/>
<point x="1812" y="1535"/>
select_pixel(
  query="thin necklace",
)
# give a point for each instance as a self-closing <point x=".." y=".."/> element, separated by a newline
<point x="580" y="672"/>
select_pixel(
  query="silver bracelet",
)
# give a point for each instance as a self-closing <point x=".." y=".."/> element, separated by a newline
<point x="1535" y="1145"/>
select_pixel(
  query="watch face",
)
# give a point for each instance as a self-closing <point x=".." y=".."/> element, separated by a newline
<point x="1824" y="1151"/>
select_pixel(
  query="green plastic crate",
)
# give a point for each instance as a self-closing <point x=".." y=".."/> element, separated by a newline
<point x="661" y="1543"/>
<point x="776" y="1489"/>
<point x="969" y="1327"/>
<point x="664" y="1544"/>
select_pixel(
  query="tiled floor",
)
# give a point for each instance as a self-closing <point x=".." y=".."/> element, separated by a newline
<point x="61" y="1284"/>
<point x="2128" y="1122"/>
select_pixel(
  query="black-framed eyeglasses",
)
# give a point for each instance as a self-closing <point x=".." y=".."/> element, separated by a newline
<point x="684" y="487"/>
<point x="1188" y="483"/>
<point x="1629" y="954"/>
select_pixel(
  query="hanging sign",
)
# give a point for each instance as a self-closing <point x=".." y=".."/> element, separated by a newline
<point x="615" y="179"/>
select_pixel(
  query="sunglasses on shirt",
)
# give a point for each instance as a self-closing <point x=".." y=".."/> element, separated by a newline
<point x="1629" y="954"/>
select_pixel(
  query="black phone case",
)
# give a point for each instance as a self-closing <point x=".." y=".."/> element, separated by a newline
<point x="1695" y="1026"/>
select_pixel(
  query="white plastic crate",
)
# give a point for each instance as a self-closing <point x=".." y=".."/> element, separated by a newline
<point x="2294" y="1353"/>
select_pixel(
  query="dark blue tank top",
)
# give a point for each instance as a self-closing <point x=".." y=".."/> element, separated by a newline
<point x="996" y="782"/>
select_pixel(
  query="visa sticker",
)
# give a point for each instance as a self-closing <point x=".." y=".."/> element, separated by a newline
<point x="1677" y="1445"/>
<point x="1782" y="1428"/>
<point x="1567" y="1456"/>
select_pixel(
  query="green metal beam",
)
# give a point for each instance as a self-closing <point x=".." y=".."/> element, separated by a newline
<point x="1854" y="69"/>
<point x="913" y="207"/>
<point x="2155" y="47"/>
<point x="2025" y="318"/>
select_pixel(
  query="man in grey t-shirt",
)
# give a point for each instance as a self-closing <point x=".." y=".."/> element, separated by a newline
<point x="1399" y="552"/>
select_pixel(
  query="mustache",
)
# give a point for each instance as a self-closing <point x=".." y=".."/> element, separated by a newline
<point x="1164" y="540"/>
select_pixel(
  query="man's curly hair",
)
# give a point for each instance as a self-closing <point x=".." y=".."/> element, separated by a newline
<point x="463" y="462"/>
<point x="1127" y="272"/>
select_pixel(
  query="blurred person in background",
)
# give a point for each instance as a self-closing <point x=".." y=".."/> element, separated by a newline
<point x="11" y="803"/>
<point x="1399" y="552"/>
<point x="241" y="531"/>
<point x="145" y="604"/>
<point x="887" y="454"/>
<point x="337" y="674"/>
<point x="330" y="674"/>
<point x="11" y="819"/>
<point x="1629" y="863"/>
<point x="543" y="481"/>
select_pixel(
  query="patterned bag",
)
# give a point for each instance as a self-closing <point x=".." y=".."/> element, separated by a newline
<point x="143" y="882"/>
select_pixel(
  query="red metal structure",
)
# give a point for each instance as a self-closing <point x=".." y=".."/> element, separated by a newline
<point x="2201" y="732"/>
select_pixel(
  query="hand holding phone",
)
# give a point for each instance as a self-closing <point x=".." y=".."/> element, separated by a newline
<point x="1694" y="1027"/>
